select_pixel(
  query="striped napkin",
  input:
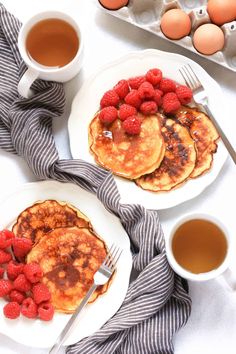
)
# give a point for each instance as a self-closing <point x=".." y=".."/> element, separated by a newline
<point x="156" y="304"/>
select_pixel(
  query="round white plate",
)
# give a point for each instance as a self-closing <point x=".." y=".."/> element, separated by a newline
<point x="86" y="103"/>
<point x="36" y="333"/>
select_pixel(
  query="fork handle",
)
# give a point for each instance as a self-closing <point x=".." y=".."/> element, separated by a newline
<point x="72" y="321"/>
<point x="224" y="138"/>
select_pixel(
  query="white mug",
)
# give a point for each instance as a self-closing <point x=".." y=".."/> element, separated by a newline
<point x="36" y="70"/>
<point x="222" y="269"/>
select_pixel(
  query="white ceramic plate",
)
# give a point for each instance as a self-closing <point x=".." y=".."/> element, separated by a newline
<point x="36" y="333"/>
<point x="86" y="103"/>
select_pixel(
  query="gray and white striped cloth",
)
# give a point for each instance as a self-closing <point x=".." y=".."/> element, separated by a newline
<point x="156" y="304"/>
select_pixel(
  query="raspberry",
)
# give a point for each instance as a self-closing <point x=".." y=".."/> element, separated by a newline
<point x="184" y="94"/>
<point x="170" y="102"/>
<point x="21" y="246"/>
<point x="14" y="269"/>
<point x="5" y="287"/>
<point x="146" y="90"/>
<point x="132" y="125"/>
<point x="157" y="97"/>
<point x="29" y="308"/>
<point x="40" y="293"/>
<point x="46" y="311"/>
<point x="122" y="88"/>
<point x="1" y="272"/>
<point x="148" y="107"/>
<point x="6" y="237"/>
<point x="11" y="310"/>
<point x="154" y="76"/>
<point x="108" y="114"/>
<point x="135" y="82"/>
<point x="167" y="85"/>
<point x="126" y="111"/>
<point x="110" y="98"/>
<point x="5" y="257"/>
<point x="33" y="272"/>
<point x="16" y="296"/>
<point x="21" y="283"/>
<point x="133" y="99"/>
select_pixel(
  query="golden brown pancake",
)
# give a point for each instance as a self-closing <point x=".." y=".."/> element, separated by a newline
<point x="129" y="156"/>
<point x="45" y="216"/>
<point x="178" y="162"/>
<point x="69" y="257"/>
<point x="203" y="133"/>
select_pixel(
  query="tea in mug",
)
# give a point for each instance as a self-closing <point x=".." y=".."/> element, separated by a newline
<point x="199" y="246"/>
<point x="52" y="43"/>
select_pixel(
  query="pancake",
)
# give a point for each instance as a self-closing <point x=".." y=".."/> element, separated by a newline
<point x="69" y="257"/>
<point x="178" y="162"/>
<point x="45" y="216"/>
<point x="203" y="133"/>
<point x="129" y="156"/>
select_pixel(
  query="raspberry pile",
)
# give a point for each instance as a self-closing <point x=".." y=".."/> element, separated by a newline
<point x="146" y="94"/>
<point x="20" y="283"/>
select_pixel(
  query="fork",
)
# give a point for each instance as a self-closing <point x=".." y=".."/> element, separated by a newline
<point x="101" y="277"/>
<point x="201" y="98"/>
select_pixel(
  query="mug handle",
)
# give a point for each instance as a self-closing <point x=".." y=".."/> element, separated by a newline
<point x="228" y="280"/>
<point x="26" y="81"/>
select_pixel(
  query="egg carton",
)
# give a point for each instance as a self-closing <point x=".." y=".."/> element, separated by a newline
<point x="146" y="14"/>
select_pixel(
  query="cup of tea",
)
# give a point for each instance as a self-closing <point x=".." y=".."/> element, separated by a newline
<point x="199" y="248"/>
<point x="51" y="45"/>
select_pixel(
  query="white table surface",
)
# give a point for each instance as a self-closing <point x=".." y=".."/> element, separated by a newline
<point x="212" y="325"/>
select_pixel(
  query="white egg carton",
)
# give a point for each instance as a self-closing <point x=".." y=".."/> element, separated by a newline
<point x="147" y="14"/>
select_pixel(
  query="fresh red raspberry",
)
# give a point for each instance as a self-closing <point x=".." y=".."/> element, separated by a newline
<point x="126" y="111"/>
<point x="132" y="125"/>
<point x="46" y="311"/>
<point x="108" y="114"/>
<point x="167" y="85"/>
<point x="146" y="90"/>
<point x="148" y="107"/>
<point x="2" y="270"/>
<point x="17" y="296"/>
<point x="133" y="99"/>
<point x="170" y="102"/>
<point x="184" y="94"/>
<point x="154" y="76"/>
<point x="40" y="293"/>
<point x="5" y="287"/>
<point x="21" y="283"/>
<point x="29" y="308"/>
<point x="21" y="246"/>
<point x="33" y="272"/>
<point x="158" y="97"/>
<point x="14" y="269"/>
<point x="110" y="98"/>
<point x="5" y="257"/>
<point x="122" y="88"/>
<point x="11" y="310"/>
<point x="6" y="237"/>
<point x="135" y="82"/>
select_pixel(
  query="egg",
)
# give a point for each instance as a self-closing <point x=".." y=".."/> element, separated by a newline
<point x="113" y="4"/>
<point x="208" y="39"/>
<point x="175" y="24"/>
<point x="221" y="11"/>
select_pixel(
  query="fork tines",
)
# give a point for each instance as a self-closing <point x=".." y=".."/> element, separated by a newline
<point x="190" y="77"/>
<point x="112" y="257"/>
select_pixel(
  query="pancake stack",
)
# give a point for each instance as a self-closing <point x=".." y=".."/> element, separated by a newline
<point x="67" y="249"/>
<point x="167" y="152"/>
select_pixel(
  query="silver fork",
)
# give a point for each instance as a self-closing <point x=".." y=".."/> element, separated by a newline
<point x="200" y="97"/>
<point x="101" y="277"/>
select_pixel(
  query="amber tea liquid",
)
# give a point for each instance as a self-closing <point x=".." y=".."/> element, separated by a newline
<point x="199" y="246"/>
<point x="52" y="43"/>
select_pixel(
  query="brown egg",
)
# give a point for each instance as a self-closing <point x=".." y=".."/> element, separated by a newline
<point x="208" y="39"/>
<point x="113" y="4"/>
<point x="221" y="11"/>
<point x="175" y="24"/>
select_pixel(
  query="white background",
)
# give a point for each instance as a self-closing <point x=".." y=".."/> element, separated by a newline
<point x="212" y="325"/>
